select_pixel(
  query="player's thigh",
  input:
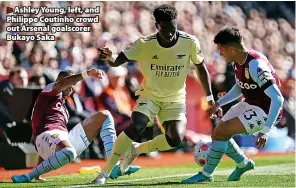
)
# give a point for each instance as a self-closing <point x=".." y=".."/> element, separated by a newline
<point x="171" y="111"/>
<point x="48" y="142"/>
<point x="227" y="129"/>
<point x="78" y="138"/>
<point x="240" y="119"/>
<point x="235" y="111"/>
<point x="253" y="119"/>
<point x="148" y="107"/>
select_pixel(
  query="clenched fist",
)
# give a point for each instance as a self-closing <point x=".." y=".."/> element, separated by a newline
<point x="96" y="73"/>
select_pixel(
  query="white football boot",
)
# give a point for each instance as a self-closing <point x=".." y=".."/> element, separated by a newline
<point x="101" y="179"/>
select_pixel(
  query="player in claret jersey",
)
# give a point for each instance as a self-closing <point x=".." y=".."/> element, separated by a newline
<point x="256" y="114"/>
<point x="164" y="59"/>
<point x="53" y="143"/>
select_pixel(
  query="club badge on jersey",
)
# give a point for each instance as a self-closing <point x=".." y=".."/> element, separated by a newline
<point x="247" y="74"/>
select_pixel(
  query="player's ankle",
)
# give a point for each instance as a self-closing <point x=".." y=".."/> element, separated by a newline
<point x="243" y="163"/>
<point x="103" y="175"/>
<point x="206" y="174"/>
<point x="28" y="176"/>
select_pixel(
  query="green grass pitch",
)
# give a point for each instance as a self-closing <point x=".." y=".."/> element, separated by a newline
<point x="276" y="171"/>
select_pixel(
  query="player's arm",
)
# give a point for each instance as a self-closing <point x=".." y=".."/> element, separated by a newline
<point x="205" y="81"/>
<point x="231" y="95"/>
<point x="62" y="84"/>
<point x="202" y="72"/>
<point x="262" y="75"/>
<point x="132" y="52"/>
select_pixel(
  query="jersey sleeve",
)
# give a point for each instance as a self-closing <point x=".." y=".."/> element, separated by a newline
<point x="261" y="73"/>
<point x="196" y="53"/>
<point x="133" y="52"/>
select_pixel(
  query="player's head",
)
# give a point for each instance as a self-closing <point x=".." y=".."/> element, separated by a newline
<point x="63" y="74"/>
<point x="18" y="77"/>
<point x="229" y="42"/>
<point x="166" y="21"/>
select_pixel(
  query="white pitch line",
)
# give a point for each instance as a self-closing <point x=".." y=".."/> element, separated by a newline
<point x="270" y="170"/>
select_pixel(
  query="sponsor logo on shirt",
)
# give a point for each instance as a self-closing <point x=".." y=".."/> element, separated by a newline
<point x="245" y="85"/>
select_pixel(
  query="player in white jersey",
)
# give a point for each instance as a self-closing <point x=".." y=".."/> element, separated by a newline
<point x="164" y="59"/>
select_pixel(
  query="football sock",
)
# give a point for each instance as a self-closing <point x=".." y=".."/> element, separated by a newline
<point x="121" y="145"/>
<point x="234" y="152"/>
<point x="214" y="156"/>
<point x="108" y="134"/>
<point x="159" y="143"/>
<point x="55" y="161"/>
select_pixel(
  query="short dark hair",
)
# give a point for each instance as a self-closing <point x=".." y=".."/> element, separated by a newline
<point x="165" y="13"/>
<point x="228" y="36"/>
<point x="15" y="71"/>
<point x="64" y="74"/>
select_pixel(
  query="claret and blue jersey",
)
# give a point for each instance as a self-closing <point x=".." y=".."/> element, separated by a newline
<point x="254" y="77"/>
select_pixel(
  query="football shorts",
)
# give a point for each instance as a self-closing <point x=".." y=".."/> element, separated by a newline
<point x="252" y="117"/>
<point x="164" y="110"/>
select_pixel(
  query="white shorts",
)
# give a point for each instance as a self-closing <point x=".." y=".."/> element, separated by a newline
<point x="47" y="141"/>
<point x="252" y="117"/>
<point x="164" y="110"/>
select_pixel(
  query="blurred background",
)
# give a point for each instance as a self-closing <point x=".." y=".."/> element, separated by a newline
<point x="25" y="68"/>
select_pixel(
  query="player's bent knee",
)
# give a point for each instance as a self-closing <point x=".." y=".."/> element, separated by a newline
<point x="98" y="118"/>
<point x="138" y="125"/>
<point x="103" y="115"/>
<point x="174" y="141"/>
<point x="134" y="131"/>
<point x="220" y="133"/>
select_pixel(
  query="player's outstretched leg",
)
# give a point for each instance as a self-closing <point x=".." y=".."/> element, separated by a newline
<point x="129" y="157"/>
<point x="174" y="129"/>
<point x="221" y="135"/>
<point x="121" y="145"/>
<point x="108" y="136"/>
<point x="65" y="154"/>
<point x="102" y="122"/>
<point x="243" y="163"/>
<point x="159" y="143"/>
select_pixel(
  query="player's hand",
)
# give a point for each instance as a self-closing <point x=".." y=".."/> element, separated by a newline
<point x="261" y="140"/>
<point x="96" y="73"/>
<point x="212" y="115"/>
<point x="211" y="111"/>
<point x="105" y="54"/>
<point x="220" y="112"/>
<point x="41" y="179"/>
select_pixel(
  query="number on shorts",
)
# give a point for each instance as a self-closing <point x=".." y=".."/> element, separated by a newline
<point x="250" y="115"/>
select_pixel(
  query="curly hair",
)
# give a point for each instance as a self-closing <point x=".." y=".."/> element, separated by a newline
<point x="64" y="74"/>
<point x="228" y="36"/>
<point x="165" y="13"/>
